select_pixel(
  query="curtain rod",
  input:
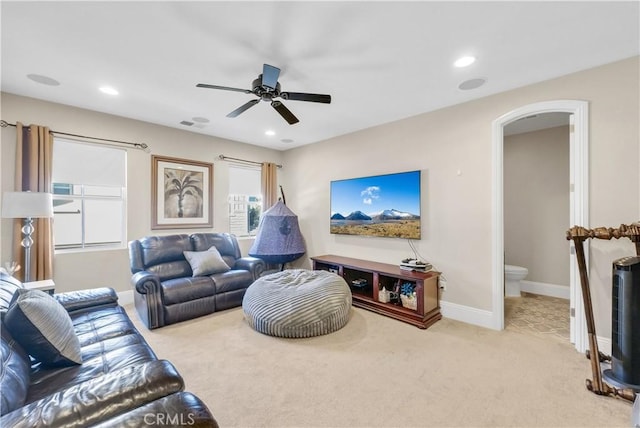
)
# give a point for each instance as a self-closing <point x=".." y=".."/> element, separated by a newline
<point x="223" y="157"/>
<point x="142" y="146"/>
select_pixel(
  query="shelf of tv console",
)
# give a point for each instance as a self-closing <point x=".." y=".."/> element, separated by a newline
<point x="378" y="275"/>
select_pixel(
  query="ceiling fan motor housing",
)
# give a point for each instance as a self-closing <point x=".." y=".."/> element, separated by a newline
<point x="264" y="92"/>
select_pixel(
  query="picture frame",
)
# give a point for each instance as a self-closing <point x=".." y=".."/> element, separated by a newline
<point x="181" y="193"/>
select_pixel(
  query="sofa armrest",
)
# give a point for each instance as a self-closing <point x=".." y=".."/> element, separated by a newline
<point x="146" y="282"/>
<point x="253" y="264"/>
<point x="148" y="298"/>
<point x="179" y="409"/>
<point x="81" y="299"/>
<point x="100" y="398"/>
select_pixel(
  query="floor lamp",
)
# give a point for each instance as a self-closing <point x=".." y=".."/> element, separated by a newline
<point x="27" y="205"/>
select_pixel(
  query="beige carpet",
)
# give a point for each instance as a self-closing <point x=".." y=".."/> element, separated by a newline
<point x="379" y="372"/>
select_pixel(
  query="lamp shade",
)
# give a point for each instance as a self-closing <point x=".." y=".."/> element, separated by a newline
<point x="27" y="204"/>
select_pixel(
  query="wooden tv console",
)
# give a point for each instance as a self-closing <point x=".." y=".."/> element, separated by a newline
<point x="378" y="275"/>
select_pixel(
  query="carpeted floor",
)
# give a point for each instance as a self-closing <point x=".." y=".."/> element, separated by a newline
<point x="379" y="372"/>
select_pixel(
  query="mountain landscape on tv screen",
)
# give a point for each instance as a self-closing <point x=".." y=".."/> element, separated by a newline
<point x="386" y="205"/>
<point x="386" y="223"/>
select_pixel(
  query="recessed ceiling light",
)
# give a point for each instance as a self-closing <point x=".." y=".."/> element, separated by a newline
<point x="200" y="119"/>
<point x="270" y="132"/>
<point x="471" y="84"/>
<point x="38" y="78"/>
<point x="465" y="61"/>
<point x="287" y="140"/>
<point x="108" y="90"/>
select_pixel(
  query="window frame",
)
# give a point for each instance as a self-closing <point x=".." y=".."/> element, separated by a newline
<point x="232" y="200"/>
<point x="82" y="194"/>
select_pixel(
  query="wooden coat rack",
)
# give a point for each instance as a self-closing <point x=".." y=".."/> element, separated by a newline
<point x="580" y="234"/>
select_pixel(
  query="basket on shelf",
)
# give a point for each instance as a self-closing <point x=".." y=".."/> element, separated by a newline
<point x="384" y="295"/>
<point x="409" y="302"/>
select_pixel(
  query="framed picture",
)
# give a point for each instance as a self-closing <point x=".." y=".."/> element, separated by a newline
<point x="181" y="193"/>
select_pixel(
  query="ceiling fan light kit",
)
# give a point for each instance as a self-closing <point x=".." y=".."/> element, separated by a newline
<point x="266" y="87"/>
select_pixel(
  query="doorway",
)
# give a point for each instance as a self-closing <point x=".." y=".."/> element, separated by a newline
<point x="536" y="213"/>
<point x="578" y="160"/>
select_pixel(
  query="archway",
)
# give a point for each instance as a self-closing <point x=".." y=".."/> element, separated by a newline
<point x="579" y="211"/>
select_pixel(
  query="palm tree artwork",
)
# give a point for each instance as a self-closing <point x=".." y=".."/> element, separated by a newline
<point x="183" y="193"/>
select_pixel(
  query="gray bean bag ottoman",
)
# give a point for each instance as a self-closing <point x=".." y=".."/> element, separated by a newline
<point x="297" y="303"/>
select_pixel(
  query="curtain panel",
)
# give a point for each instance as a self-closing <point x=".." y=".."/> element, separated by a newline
<point x="34" y="153"/>
<point x="269" y="185"/>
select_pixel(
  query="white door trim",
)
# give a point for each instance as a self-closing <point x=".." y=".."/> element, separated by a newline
<point x="579" y="159"/>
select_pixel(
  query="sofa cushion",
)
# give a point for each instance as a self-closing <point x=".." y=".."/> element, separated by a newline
<point x="8" y="287"/>
<point x="181" y="290"/>
<point x="206" y="262"/>
<point x="87" y="299"/>
<point x="163" y="255"/>
<point x="232" y="280"/>
<point x="181" y="408"/>
<point x="44" y="329"/>
<point x="101" y="397"/>
<point x="225" y="243"/>
<point x="14" y="373"/>
<point x="108" y="341"/>
<point x="170" y="270"/>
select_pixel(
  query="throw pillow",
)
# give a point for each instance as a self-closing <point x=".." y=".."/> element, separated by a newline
<point x="43" y="328"/>
<point x="206" y="262"/>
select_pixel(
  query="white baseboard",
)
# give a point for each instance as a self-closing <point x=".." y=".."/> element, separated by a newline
<point x="604" y="345"/>
<point x="545" y="289"/>
<point x="467" y="314"/>
<point x="125" y="297"/>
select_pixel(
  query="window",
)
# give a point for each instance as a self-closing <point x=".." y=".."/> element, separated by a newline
<point x="89" y="191"/>
<point x="245" y="200"/>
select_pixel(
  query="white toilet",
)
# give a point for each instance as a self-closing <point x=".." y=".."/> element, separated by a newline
<point x="512" y="276"/>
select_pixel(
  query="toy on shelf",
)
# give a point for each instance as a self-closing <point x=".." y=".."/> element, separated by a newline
<point x="408" y="296"/>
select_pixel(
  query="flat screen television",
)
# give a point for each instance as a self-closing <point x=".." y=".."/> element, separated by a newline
<point x="380" y="205"/>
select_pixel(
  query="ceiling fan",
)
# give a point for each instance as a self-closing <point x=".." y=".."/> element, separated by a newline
<point x="267" y="88"/>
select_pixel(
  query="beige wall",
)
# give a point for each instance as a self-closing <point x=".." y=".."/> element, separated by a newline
<point x="78" y="270"/>
<point x="453" y="148"/>
<point x="536" y="204"/>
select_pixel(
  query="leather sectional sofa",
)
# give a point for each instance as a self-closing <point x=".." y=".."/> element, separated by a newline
<point x="119" y="381"/>
<point x="169" y="287"/>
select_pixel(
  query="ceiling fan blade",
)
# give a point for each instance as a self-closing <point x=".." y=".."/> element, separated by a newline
<point x="224" y="88"/>
<point x="270" y="76"/>
<point x="301" y="96"/>
<point x="243" y="108"/>
<point x="284" y="112"/>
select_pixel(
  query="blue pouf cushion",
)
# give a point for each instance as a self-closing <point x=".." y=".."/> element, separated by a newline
<point x="297" y="303"/>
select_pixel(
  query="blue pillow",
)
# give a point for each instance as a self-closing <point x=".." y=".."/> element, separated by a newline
<point x="43" y="328"/>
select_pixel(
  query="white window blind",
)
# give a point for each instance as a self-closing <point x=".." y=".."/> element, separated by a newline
<point x="244" y="180"/>
<point x="78" y="163"/>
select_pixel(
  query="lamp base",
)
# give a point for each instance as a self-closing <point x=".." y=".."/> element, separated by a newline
<point x="27" y="242"/>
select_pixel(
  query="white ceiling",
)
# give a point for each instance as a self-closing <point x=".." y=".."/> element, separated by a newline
<point x="380" y="61"/>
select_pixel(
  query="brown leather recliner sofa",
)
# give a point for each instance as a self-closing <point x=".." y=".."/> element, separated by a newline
<point x="166" y="291"/>
<point x="120" y="381"/>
